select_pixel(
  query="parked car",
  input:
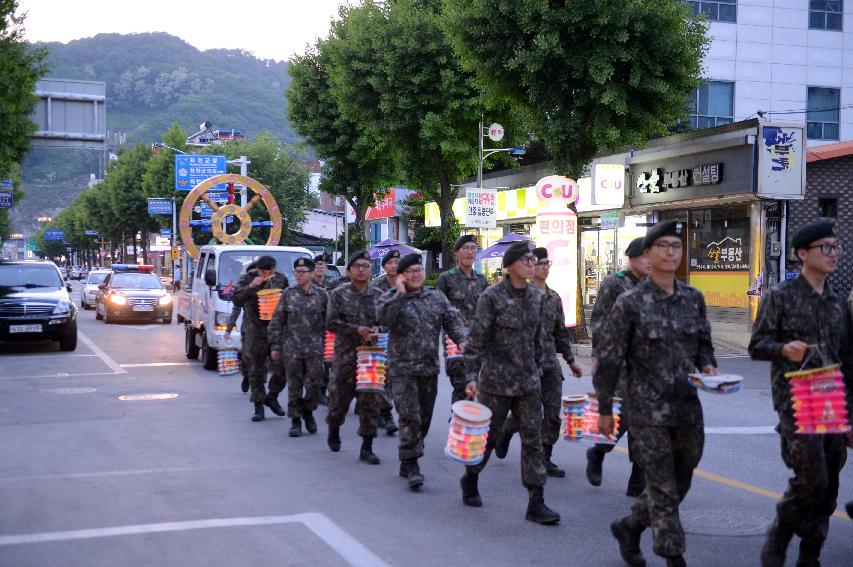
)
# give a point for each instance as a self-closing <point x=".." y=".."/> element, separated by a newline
<point x="89" y="290"/>
<point x="133" y="292"/>
<point x="35" y="305"/>
<point x="74" y="274"/>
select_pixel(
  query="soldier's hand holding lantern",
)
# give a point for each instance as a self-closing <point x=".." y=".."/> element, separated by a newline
<point x="605" y="424"/>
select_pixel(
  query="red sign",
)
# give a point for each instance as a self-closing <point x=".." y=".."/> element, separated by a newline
<point x="383" y="208"/>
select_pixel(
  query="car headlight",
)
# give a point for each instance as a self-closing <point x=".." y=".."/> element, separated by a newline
<point x="166" y="299"/>
<point x="222" y="319"/>
<point x="118" y="299"/>
<point x="62" y="308"/>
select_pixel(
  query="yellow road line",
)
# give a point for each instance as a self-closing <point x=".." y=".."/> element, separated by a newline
<point x="746" y="487"/>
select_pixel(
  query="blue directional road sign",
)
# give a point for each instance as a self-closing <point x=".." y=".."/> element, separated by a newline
<point x="6" y="183"/>
<point x="159" y="206"/>
<point x="90" y="232"/>
<point x="190" y="170"/>
<point x="166" y="232"/>
<point x="5" y="200"/>
<point x="54" y="234"/>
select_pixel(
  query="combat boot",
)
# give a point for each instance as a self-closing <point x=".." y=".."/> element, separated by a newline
<point x="295" y="428"/>
<point x="809" y="553"/>
<point x="390" y="427"/>
<point x="244" y="385"/>
<point x="502" y="446"/>
<point x="470" y="492"/>
<point x="366" y="454"/>
<point x="334" y="439"/>
<point x="271" y="401"/>
<point x="778" y="537"/>
<point x="416" y="479"/>
<point x="629" y="542"/>
<point x="637" y="482"/>
<point x="594" y="462"/>
<point x="550" y="468"/>
<point x="676" y="561"/>
<point x="849" y="508"/>
<point x="259" y="412"/>
<point x="310" y="422"/>
<point x="537" y="511"/>
<point x="405" y="466"/>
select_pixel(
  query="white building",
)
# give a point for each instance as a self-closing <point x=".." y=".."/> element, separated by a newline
<point x="790" y="59"/>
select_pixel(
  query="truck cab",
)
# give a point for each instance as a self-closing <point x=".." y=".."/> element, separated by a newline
<point x="204" y="304"/>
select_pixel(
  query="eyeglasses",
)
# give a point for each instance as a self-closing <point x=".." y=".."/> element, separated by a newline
<point x="362" y="266"/>
<point x="828" y="249"/>
<point x="664" y="246"/>
<point x="302" y="272"/>
<point x="469" y="248"/>
<point x="413" y="271"/>
<point x="544" y="263"/>
<point x="528" y="260"/>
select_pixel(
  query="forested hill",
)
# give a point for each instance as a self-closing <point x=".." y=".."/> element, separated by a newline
<point x="155" y="79"/>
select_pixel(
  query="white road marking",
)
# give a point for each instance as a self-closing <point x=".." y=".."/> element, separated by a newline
<point x="745" y="430"/>
<point x="59" y="375"/>
<point x="349" y="548"/>
<point x="155" y="364"/>
<point x="129" y="472"/>
<point x="105" y="358"/>
<point x="46" y="355"/>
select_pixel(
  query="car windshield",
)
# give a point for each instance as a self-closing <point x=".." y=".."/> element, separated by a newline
<point x="97" y="277"/>
<point x="32" y="276"/>
<point x="233" y="264"/>
<point x="135" y="281"/>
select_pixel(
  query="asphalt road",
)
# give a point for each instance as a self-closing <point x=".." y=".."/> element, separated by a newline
<point x="89" y="479"/>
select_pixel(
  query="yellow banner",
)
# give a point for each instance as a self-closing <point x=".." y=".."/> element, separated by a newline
<point x="722" y="289"/>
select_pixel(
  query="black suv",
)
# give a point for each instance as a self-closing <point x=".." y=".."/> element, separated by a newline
<point x="133" y="292"/>
<point x="35" y="305"/>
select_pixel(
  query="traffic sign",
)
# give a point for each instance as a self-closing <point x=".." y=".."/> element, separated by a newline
<point x="166" y="232"/>
<point x="190" y="170"/>
<point x="160" y="206"/>
<point x="6" y="200"/>
<point x="54" y="234"/>
<point x="7" y="183"/>
<point x="90" y="232"/>
<point x="496" y="132"/>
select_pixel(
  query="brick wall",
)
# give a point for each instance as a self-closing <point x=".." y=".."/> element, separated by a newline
<point x="828" y="178"/>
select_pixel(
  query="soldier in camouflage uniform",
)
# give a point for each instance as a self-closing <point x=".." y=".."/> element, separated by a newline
<point x="384" y="283"/>
<point x="352" y="316"/>
<point x="805" y="323"/>
<point x="612" y="287"/>
<point x="296" y="332"/>
<point x="254" y="333"/>
<point x="232" y="324"/>
<point x="415" y="316"/>
<point x="321" y="280"/>
<point x="462" y="286"/>
<point x="504" y="357"/>
<point x="660" y="333"/>
<point x="555" y="340"/>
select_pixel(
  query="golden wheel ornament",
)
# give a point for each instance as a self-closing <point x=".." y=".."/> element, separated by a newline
<point x="220" y="212"/>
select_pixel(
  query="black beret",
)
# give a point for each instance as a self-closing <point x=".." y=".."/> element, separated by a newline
<point x="463" y="240"/>
<point x="359" y="255"/>
<point x="516" y="251"/>
<point x="320" y="258"/>
<point x="540" y="253"/>
<point x="304" y="263"/>
<point x="808" y="233"/>
<point x="390" y="255"/>
<point x="408" y="261"/>
<point x="661" y="229"/>
<point x="265" y="263"/>
<point x="635" y="248"/>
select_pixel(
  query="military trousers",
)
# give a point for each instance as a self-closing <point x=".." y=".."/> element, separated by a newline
<point x="414" y="397"/>
<point x="552" y="393"/>
<point x="527" y="410"/>
<point x="341" y="393"/>
<point x="256" y="352"/>
<point x="812" y="493"/>
<point x="304" y="383"/>
<point x="668" y="456"/>
<point x="455" y="368"/>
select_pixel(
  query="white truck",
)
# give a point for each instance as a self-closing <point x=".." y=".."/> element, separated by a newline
<point x="204" y="303"/>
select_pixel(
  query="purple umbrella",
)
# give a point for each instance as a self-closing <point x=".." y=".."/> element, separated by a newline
<point x="497" y="249"/>
<point x="381" y="248"/>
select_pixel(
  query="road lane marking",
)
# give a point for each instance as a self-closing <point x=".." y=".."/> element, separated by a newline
<point x="46" y="355"/>
<point x="350" y="549"/>
<point x="59" y="375"/>
<point x="129" y="472"/>
<point x="105" y="358"/>
<point x="746" y="487"/>
<point x="156" y="364"/>
<point x="745" y="430"/>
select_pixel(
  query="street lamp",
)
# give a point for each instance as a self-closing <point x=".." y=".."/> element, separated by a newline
<point x="495" y="132"/>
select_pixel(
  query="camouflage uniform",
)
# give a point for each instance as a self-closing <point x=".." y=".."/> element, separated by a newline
<point x="794" y="311"/>
<point x="463" y="292"/>
<point x="256" y="347"/>
<point x="297" y="331"/>
<point x="503" y="355"/>
<point x="660" y="339"/>
<point x="347" y="310"/>
<point x="414" y="322"/>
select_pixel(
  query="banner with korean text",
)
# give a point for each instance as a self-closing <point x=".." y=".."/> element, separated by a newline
<point x="481" y="208"/>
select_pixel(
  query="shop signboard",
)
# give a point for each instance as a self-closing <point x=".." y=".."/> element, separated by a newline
<point x="611" y="219"/>
<point x="608" y="184"/>
<point x="383" y="208"/>
<point x="481" y="208"/>
<point x="781" y="161"/>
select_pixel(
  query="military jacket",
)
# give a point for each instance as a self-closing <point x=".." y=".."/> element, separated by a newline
<point x="660" y="338"/>
<point x="503" y="352"/>
<point x="298" y="326"/>
<point x="793" y="311"/>
<point x="232" y="319"/>
<point x="381" y="283"/>
<point x="247" y="298"/>
<point x="414" y="322"/>
<point x="327" y="284"/>
<point x="612" y="287"/>
<point x="462" y="291"/>
<point x="347" y="311"/>
<point x="555" y="338"/>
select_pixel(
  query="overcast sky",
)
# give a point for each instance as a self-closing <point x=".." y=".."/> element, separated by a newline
<point x="271" y="29"/>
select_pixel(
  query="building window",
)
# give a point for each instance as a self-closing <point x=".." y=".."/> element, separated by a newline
<point x="825" y="14"/>
<point x="713" y="104"/>
<point x="828" y="208"/>
<point x="822" y="115"/>
<point x="718" y="10"/>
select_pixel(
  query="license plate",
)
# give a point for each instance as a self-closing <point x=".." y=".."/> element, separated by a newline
<point x="25" y="328"/>
<point x="143" y="308"/>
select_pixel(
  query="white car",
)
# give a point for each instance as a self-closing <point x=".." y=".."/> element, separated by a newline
<point x="89" y="290"/>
